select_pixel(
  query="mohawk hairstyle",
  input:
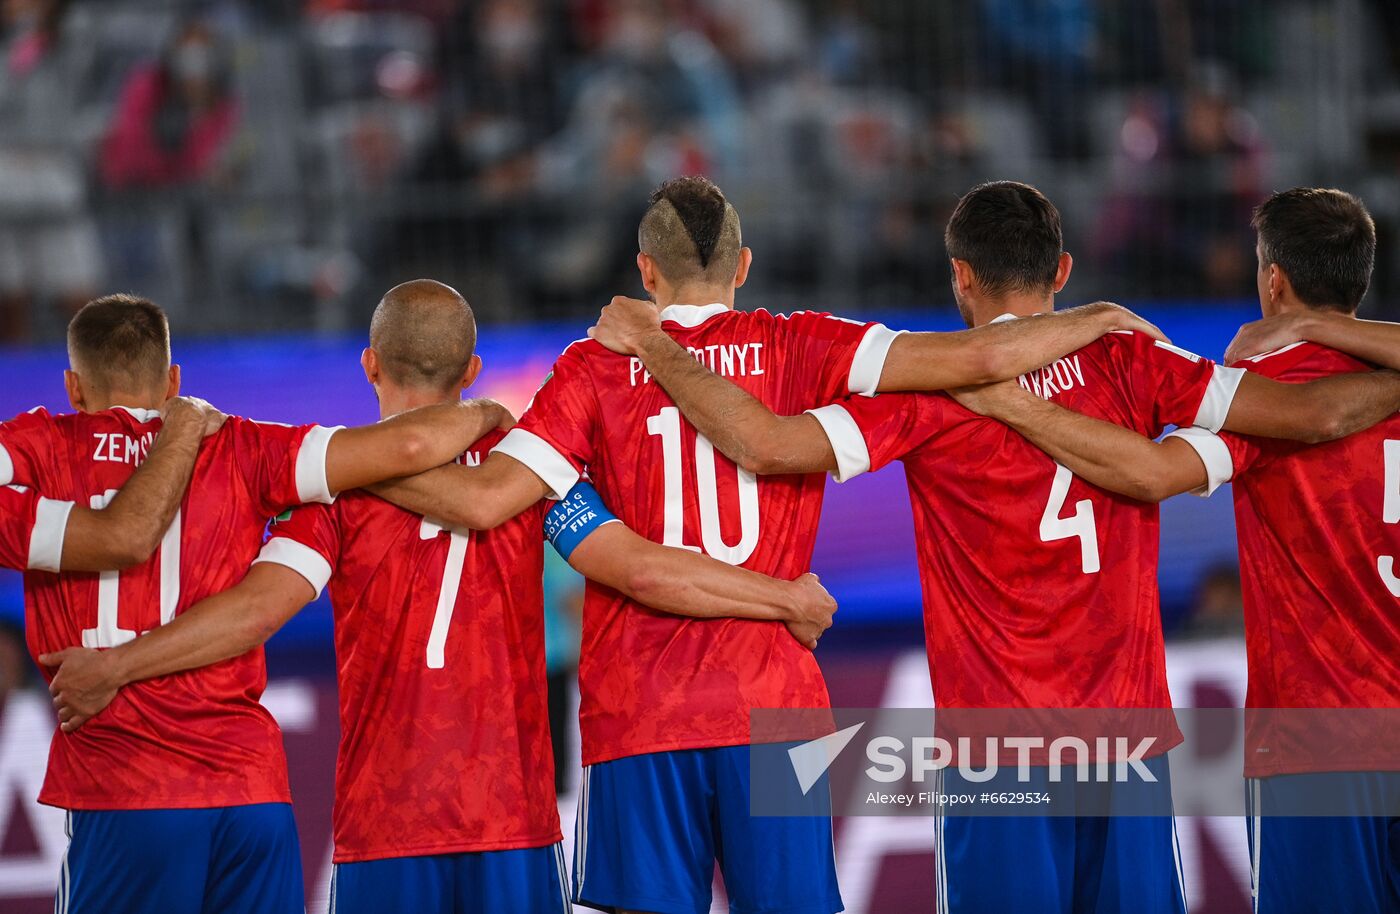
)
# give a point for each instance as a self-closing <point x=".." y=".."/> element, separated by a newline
<point x="691" y="231"/>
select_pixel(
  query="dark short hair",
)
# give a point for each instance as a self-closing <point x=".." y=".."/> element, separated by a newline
<point x="1324" y="240"/>
<point x="1009" y="233"/>
<point x="120" y="342"/>
<point x="692" y="231"/>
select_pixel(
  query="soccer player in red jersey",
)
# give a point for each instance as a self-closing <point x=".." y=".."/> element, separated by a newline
<point x="44" y="534"/>
<point x="180" y="791"/>
<point x="1317" y="539"/>
<point x="1039" y="590"/>
<point x="445" y="785"/>
<point x="666" y="701"/>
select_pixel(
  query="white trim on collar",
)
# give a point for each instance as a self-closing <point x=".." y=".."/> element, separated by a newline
<point x="1002" y="318"/>
<point x="140" y="415"/>
<point x="692" y="315"/>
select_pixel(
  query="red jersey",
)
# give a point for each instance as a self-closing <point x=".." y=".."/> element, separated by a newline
<point x="653" y="682"/>
<point x="194" y="739"/>
<point x="439" y="642"/>
<point x="1040" y="590"/>
<point x="1318" y="536"/>
<point x="31" y="529"/>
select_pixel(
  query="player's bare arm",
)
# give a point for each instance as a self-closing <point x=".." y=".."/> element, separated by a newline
<point x="225" y="625"/>
<point x="1109" y="456"/>
<point x="1377" y="342"/>
<point x="1001" y="351"/>
<point x="686" y="583"/>
<point x="129" y="530"/>
<point x="923" y="361"/>
<point x="1321" y="410"/>
<point x="469" y="498"/>
<point x="410" y="442"/>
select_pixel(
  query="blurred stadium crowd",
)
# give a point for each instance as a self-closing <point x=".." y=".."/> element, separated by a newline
<point x="272" y="164"/>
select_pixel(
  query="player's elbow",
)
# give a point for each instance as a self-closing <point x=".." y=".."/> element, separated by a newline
<point x="989" y="363"/>
<point x="255" y="629"/>
<point x="473" y="513"/>
<point x="412" y="450"/>
<point x="646" y="583"/>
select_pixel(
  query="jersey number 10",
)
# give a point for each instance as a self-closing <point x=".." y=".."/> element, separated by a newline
<point x="667" y="426"/>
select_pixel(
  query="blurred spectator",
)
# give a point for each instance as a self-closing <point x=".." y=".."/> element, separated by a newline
<point x="1187" y="175"/>
<point x="1046" y="49"/>
<point x="48" y="243"/>
<point x="16" y="669"/>
<point x="1219" y="606"/>
<point x="174" y="117"/>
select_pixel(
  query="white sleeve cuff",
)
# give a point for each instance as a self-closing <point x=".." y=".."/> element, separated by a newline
<point x="46" y="542"/>
<point x="7" y="467"/>
<point x="1220" y="393"/>
<point x="1214" y="453"/>
<point x="869" y="361"/>
<point x="299" y="557"/>
<point x="852" y="456"/>
<point x="542" y="459"/>
<point x="312" y="486"/>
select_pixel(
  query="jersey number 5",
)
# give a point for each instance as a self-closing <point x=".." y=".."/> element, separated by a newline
<point x="448" y="593"/>
<point x="1081" y="523"/>
<point x="1390" y="512"/>
<point x="667" y="426"/>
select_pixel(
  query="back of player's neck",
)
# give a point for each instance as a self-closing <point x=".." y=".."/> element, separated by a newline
<point x="128" y="401"/>
<point x="401" y="401"/>
<point x="988" y="310"/>
<point x="698" y="296"/>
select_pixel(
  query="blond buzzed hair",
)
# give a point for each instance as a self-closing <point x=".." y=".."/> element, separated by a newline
<point x="692" y="232"/>
<point x="425" y="334"/>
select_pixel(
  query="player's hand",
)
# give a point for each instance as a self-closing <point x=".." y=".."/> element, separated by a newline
<point x="1116" y="317"/>
<point x="85" y="683"/>
<point x="192" y="409"/>
<point x="624" y="323"/>
<point x="1266" y="335"/>
<point x="505" y="419"/>
<point x="992" y="400"/>
<point x="812" y="611"/>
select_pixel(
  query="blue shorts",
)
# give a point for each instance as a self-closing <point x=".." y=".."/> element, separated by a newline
<point x="652" y="827"/>
<point x="1060" y="864"/>
<point x="230" y="860"/>
<point x="526" y="881"/>
<point x="1325" y="863"/>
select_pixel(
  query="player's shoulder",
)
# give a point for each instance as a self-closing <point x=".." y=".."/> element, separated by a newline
<point x="1300" y="361"/>
<point x="1136" y="345"/>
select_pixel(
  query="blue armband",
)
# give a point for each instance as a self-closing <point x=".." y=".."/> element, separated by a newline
<point x="574" y="519"/>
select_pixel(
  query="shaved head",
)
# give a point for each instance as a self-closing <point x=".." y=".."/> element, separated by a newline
<point x="691" y="232"/>
<point x="424" y="333"/>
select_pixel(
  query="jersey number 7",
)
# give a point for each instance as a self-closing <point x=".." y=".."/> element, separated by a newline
<point x="448" y="593"/>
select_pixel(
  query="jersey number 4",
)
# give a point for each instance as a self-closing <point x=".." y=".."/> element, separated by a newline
<point x="667" y="426"/>
<point x="1080" y="524"/>
<point x="1390" y="512"/>
<point x="108" y="631"/>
